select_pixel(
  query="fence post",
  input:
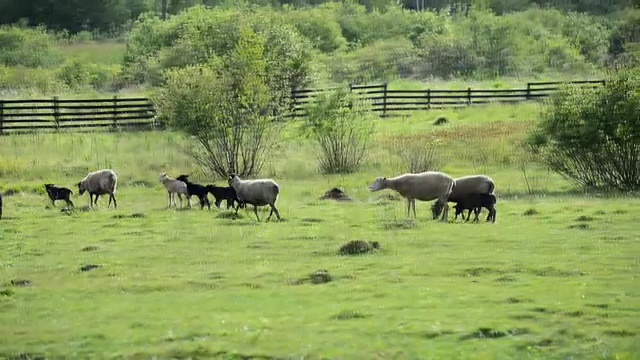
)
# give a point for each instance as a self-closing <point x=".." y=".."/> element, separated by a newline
<point x="429" y="99"/>
<point x="56" y="112"/>
<point x="384" y="100"/>
<point x="469" y="96"/>
<point x="528" y="95"/>
<point x="115" y="111"/>
<point x="1" y="117"/>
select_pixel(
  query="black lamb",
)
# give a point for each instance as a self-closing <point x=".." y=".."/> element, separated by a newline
<point x="476" y="202"/>
<point x="198" y="190"/>
<point x="58" y="193"/>
<point x="224" y="193"/>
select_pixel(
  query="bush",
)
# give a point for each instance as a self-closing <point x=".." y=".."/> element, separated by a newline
<point x="28" y="47"/>
<point x="417" y="153"/>
<point x="78" y="74"/>
<point x="227" y="107"/>
<point x="342" y="126"/>
<point x="592" y="136"/>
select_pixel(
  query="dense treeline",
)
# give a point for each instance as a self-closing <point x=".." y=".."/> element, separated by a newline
<point x="114" y="15"/>
<point x="332" y="43"/>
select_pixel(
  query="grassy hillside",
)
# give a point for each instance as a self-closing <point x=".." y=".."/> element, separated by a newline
<point x="551" y="279"/>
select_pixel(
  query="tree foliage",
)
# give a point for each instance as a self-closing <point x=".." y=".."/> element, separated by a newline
<point x="592" y="136"/>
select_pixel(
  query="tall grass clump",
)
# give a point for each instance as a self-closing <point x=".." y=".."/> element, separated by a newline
<point x="28" y="47"/>
<point x="342" y="126"/>
<point x="417" y="153"/>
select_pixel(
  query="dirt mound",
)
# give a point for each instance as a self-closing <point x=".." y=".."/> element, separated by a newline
<point x="335" y="194"/>
<point x="357" y="247"/>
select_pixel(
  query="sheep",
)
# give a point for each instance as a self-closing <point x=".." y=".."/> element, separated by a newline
<point x="173" y="187"/>
<point x="475" y="202"/>
<point x="196" y="189"/>
<point x="58" y="193"/>
<point x="465" y="185"/>
<point x="224" y="193"/>
<point x="423" y="186"/>
<point x="258" y="192"/>
<point x="98" y="183"/>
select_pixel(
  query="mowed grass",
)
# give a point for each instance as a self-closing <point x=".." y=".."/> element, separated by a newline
<point x="554" y="277"/>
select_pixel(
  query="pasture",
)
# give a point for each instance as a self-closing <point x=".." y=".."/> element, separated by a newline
<point x="553" y="278"/>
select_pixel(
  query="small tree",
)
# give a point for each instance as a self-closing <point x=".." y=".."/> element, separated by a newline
<point x="592" y="136"/>
<point x="226" y="107"/>
<point x="342" y="125"/>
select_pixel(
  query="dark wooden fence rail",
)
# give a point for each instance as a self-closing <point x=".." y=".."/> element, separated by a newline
<point x="389" y="102"/>
<point x="59" y="115"/>
<point x="139" y="113"/>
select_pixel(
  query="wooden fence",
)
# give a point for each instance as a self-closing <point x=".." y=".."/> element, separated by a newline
<point x="395" y="102"/>
<point x="139" y="113"/>
<point x="59" y="115"/>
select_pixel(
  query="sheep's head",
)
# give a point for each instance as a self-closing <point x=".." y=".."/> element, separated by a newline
<point x="183" y="178"/>
<point x="47" y="186"/>
<point x="81" y="188"/>
<point x="162" y="176"/>
<point x="232" y="177"/>
<point x="378" y="184"/>
<point x="436" y="209"/>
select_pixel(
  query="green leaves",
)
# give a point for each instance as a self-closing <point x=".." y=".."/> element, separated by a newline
<point x="592" y="136"/>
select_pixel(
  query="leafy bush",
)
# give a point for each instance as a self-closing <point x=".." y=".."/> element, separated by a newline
<point x="78" y="74"/>
<point x="342" y="126"/>
<point x="28" y="47"/>
<point x="320" y="26"/>
<point x="592" y="136"/>
<point x="227" y="106"/>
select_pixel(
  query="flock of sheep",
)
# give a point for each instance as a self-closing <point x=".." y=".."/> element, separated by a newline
<point x="470" y="193"/>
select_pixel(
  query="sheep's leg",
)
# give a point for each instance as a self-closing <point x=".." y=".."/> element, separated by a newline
<point x="493" y="217"/>
<point x="180" y="197"/>
<point x="90" y="200"/>
<point x="413" y="205"/>
<point x="476" y="213"/>
<point x="115" y="202"/>
<point x="70" y="203"/>
<point x="409" y="208"/>
<point x="468" y="215"/>
<point x="445" y="213"/>
<point x="255" y="211"/>
<point x="273" y="209"/>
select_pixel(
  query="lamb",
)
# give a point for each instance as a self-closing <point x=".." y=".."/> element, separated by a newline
<point x="475" y="202"/>
<point x="98" y="183"/>
<point x="471" y="184"/>
<point x="258" y="192"/>
<point x="423" y="186"/>
<point x="224" y="193"/>
<point x="196" y="189"/>
<point x="173" y="187"/>
<point x="58" y="193"/>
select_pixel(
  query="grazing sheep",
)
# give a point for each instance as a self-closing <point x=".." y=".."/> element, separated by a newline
<point x="424" y="186"/>
<point x="198" y="190"/>
<point x="476" y="202"/>
<point x="98" y="183"/>
<point x="471" y="184"/>
<point x="224" y="193"/>
<point x="259" y="192"/>
<point x="173" y="187"/>
<point x="58" y="193"/>
<point x="0" y="206"/>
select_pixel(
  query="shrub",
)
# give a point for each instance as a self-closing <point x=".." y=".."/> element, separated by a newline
<point x="78" y="74"/>
<point x="28" y="47"/>
<point x="342" y="126"/>
<point x="417" y="153"/>
<point x="592" y="136"/>
<point x="227" y="107"/>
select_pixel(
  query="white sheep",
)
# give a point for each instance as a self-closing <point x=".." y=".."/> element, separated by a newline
<point x="98" y="183"/>
<point x="173" y="187"/>
<point x="423" y="186"/>
<point x="464" y="186"/>
<point x="258" y="192"/>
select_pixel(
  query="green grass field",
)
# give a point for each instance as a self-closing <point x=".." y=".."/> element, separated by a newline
<point x="554" y="278"/>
